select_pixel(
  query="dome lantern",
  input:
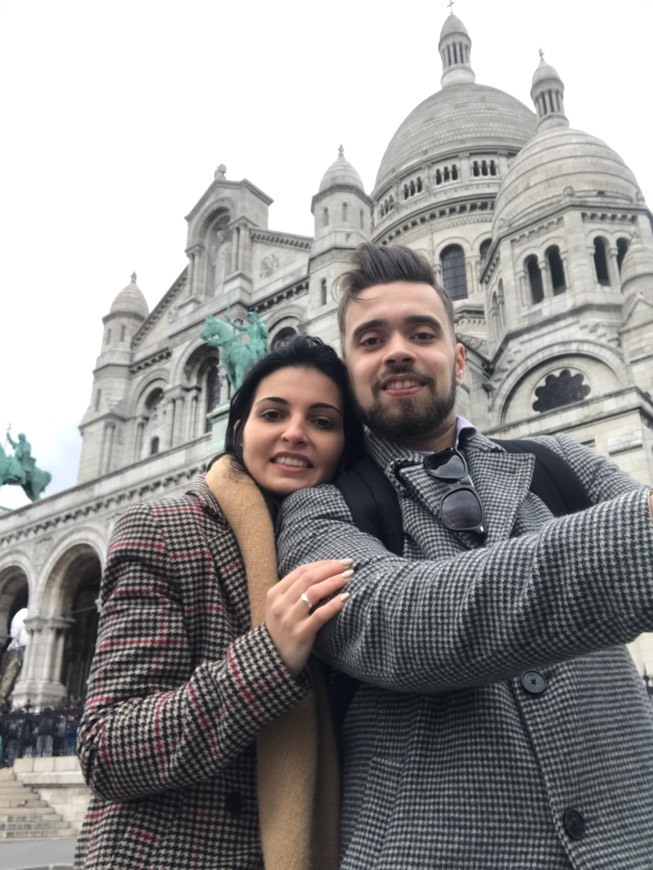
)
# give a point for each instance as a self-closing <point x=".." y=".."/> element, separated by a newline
<point x="547" y="92"/>
<point x="455" y="50"/>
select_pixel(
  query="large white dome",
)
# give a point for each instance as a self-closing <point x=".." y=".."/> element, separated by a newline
<point x="460" y="117"/>
<point x="562" y="162"/>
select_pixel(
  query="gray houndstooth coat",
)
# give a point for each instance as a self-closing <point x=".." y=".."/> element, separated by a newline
<point x="179" y="688"/>
<point x="501" y="723"/>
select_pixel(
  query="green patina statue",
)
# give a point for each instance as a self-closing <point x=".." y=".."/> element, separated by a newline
<point x="21" y="468"/>
<point x="236" y="353"/>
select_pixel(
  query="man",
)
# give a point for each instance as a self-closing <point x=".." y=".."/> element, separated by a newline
<point x="500" y="722"/>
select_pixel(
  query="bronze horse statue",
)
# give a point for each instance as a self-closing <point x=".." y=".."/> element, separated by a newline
<point x="33" y="479"/>
<point x="235" y="355"/>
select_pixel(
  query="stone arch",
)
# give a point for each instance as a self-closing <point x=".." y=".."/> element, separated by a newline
<point x="287" y="317"/>
<point x="150" y="413"/>
<point x="204" y="386"/>
<point x="14" y="595"/>
<point x="68" y="616"/>
<point x="601" y="366"/>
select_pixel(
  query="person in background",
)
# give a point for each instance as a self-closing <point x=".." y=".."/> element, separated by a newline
<point x="200" y="674"/>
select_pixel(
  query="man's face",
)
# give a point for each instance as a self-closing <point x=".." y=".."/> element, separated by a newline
<point x="404" y="363"/>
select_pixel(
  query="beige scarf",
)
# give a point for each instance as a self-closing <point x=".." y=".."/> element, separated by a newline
<point x="296" y="753"/>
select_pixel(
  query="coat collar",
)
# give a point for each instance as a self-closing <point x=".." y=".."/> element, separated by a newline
<point x="502" y="481"/>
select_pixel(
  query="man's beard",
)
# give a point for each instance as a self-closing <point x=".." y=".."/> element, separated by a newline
<point x="410" y="418"/>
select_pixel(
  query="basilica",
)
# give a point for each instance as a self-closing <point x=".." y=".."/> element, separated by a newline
<point x="539" y="232"/>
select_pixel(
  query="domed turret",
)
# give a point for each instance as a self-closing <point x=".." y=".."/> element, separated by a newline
<point x="455" y="50"/>
<point x="547" y="92"/>
<point x="340" y="174"/>
<point x="340" y="204"/>
<point x="343" y="219"/>
<point x="130" y="300"/>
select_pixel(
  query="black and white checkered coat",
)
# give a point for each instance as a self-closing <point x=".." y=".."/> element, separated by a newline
<point x="180" y="686"/>
<point x="453" y="758"/>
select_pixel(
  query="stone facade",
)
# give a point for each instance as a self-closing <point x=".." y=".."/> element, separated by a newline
<point x="539" y="232"/>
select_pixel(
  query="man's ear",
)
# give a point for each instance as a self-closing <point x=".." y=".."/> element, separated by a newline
<point x="460" y="363"/>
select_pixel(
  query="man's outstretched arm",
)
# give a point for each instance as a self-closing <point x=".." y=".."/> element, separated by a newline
<point x="576" y="585"/>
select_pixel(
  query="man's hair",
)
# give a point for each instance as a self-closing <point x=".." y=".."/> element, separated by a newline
<point x="380" y="264"/>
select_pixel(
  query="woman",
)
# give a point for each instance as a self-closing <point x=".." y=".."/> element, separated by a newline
<point x="200" y="666"/>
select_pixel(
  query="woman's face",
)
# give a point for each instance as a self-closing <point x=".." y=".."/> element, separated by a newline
<point x="293" y="436"/>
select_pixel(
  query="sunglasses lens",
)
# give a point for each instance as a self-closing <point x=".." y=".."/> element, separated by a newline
<point x="461" y="510"/>
<point x="446" y="467"/>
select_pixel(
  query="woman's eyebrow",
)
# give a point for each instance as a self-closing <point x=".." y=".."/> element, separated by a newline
<point x="273" y="399"/>
<point x="326" y="405"/>
<point x="282" y="401"/>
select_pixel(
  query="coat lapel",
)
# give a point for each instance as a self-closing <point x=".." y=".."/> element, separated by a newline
<point x="501" y="479"/>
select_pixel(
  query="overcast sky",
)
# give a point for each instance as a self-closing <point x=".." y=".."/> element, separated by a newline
<point x="116" y="115"/>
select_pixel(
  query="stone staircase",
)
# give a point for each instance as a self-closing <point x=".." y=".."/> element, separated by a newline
<point x="24" y="815"/>
<point x="42" y="798"/>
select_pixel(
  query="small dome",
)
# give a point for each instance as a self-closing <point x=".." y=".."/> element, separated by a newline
<point x="637" y="263"/>
<point x="452" y="24"/>
<point x="458" y="118"/>
<point x="544" y="72"/>
<point x="130" y="300"/>
<point x="341" y="174"/>
<point x="562" y="162"/>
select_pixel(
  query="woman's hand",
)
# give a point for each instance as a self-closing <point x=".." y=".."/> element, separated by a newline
<point x="299" y="605"/>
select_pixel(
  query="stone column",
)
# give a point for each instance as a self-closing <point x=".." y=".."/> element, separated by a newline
<point x="547" y="284"/>
<point x="613" y="268"/>
<point x="40" y="679"/>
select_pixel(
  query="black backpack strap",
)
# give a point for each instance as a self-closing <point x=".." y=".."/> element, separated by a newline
<point x="554" y="481"/>
<point x="373" y="503"/>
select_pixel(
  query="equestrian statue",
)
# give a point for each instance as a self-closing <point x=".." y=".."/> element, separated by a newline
<point x="236" y="355"/>
<point x="20" y="469"/>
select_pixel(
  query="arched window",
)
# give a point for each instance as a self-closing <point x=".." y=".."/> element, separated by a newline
<point x="154" y="445"/>
<point x="154" y="400"/>
<point x="560" y="390"/>
<point x="556" y="269"/>
<point x="485" y="247"/>
<point x="345" y="212"/>
<point x="283" y="337"/>
<point x="323" y="292"/>
<point x="325" y="217"/>
<point x="622" y="250"/>
<point x="212" y="391"/>
<point x="454" y="275"/>
<point x="534" y="279"/>
<point x="601" y="261"/>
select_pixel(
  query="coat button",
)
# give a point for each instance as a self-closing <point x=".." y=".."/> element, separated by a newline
<point x="533" y="682"/>
<point x="234" y="803"/>
<point x="574" y="824"/>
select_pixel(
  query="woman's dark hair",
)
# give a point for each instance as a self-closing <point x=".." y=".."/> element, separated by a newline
<point x="302" y="351"/>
